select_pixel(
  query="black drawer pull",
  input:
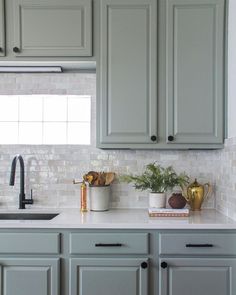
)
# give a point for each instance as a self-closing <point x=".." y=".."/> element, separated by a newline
<point x="199" y="245"/>
<point x="108" y="245"/>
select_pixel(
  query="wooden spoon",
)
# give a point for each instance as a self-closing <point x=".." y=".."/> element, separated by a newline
<point x="102" y="178"/>
<point x="109" y="178"/>
<point x="94" y="175"/>
<point x="88" y="178"/>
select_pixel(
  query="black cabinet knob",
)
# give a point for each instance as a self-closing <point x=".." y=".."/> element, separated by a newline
<point x="153" y="138"/>
<point x="170" y="138"/>
<point x="144" y="265"/>
<point x="164" y="264"/>
<point x="16" y="49"/>
<point x="1" y="50"/>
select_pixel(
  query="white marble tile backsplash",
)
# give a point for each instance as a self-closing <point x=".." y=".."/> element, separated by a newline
<point x="50" y="169"/>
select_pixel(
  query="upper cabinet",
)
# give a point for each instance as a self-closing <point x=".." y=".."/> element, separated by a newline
<point x="127" y="96"/>
<point x="2" y="28"/>
<point x="195" y="71"/>
<point x="160" y="63"/>
<point x="47" y="30"/>
<point x="161" y="74"/>
<point x="52" y="28"/>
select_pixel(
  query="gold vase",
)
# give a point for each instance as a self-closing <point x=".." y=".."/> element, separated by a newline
<point x="196" y="193"/>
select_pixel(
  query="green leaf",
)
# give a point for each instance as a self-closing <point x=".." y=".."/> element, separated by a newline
<point x="156" y="178"/>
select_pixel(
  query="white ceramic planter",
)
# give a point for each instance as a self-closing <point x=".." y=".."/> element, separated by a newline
<point x="99" y="198"/>
<point x="157" y="200"/>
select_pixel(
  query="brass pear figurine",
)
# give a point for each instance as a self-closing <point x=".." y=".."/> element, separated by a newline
<point x="196" y="193"/>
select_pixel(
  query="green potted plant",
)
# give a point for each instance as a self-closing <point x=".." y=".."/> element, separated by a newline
<point x="157" y="180"/>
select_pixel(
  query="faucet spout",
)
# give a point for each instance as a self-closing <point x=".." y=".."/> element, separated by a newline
<point x="22" y="200"/>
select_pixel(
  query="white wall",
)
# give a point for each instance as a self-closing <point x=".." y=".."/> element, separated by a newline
<point x="232" y="70"/>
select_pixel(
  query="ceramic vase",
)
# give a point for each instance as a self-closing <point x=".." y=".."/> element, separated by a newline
<point x="157" y="200"/>
<point x="177" y="201"/>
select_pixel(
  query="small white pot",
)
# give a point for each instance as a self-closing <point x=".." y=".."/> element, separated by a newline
<point x="157" y="200"/>
<point x="99" y="198"/>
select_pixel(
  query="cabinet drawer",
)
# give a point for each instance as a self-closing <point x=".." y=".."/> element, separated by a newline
<point x="130" y="243"/>
<point x="198" y="244"/>
<point x="30" y="243"/>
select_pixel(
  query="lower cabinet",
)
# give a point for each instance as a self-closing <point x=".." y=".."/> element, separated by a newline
<point x="197" y="276"/>
<point x="29" y="276"/>
<point x="110" y="262"/>
<point x="106" y="276"/>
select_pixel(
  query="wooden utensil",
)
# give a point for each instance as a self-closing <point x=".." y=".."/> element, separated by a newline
<point x="94" y="175"/>
<point x="88" y="178"/>
<point x="109" y="178"/>
<point x="102" y="178"/>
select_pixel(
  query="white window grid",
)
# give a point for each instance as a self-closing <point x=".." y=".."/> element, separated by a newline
<point x="45" y="119"/>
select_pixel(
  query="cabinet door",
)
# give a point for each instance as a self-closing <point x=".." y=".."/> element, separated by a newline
<point x="106" y="276"/>
<point x="195" y="71"/>
<point x="2" y="28"/>
<point x="52" y="27"/>
<point x="127" y="99"/>
<point x="184" y="276"/>
<point x="29" y="276"/>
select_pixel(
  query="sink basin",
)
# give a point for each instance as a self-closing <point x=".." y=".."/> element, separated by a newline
<point x="27" y="216"/>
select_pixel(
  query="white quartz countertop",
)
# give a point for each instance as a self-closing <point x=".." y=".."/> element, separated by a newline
<point x="120" y="219"/>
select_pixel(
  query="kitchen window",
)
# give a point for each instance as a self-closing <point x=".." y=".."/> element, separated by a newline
<point x="45" y="119"/>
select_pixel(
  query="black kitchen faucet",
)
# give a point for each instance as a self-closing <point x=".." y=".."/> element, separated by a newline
<point x="22" y="199"/>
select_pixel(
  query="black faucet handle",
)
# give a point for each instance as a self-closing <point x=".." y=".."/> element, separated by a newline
<point x="29" y="201"/>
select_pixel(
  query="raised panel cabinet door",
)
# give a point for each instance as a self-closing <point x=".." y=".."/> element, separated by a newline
<point x="185" y="276"/>
<point x="52" y="28"/>
<point x="2" y="28"/>
<point x="106" y="276"/>
<point x="127" y="98"/>
<point x="29" y="276"/>
<point x="195" y="71"/>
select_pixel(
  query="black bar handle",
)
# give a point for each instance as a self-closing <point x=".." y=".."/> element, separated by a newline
<point x="108" y="245"/>
<point x="199" y="245"/>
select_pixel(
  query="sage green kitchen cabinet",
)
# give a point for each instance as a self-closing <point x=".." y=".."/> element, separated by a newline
<point x="50" y="28"/>
<point x="168" y="88"/>
<point x="27" y="276"/>
<point x="195" y="71"/>
<point x="197" y="276"/>
<point x="127" y="95"/>
<point x="117" y="261"/>
<point x="106" y="276"/>
<point x="2" y="28"/>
